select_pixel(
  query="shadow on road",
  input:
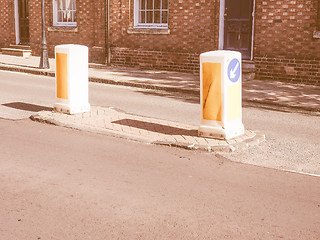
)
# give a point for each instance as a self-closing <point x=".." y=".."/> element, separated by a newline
<point x="27" y="107"/>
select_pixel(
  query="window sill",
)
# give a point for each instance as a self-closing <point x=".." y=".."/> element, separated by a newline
<point x="70" y="29"/>
<point x="316" y="34"/>
<point x="151" y="31"/>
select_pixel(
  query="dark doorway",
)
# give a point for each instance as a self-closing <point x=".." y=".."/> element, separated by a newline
<point x="238" y="26"/>
<point x="24" y="22"/>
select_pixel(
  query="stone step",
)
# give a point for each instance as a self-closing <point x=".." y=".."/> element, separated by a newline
<point x="25" y="47"/>
<point x="248" y="70"/>
<point x="16" y="52"/>
<point x="248" y="66"/>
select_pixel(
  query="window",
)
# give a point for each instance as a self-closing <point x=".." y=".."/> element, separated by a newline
<point x="151" y="13"/>
<point x="64" y="13"/>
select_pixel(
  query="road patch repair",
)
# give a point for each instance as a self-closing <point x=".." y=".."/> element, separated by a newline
<point x="117" y="123"/>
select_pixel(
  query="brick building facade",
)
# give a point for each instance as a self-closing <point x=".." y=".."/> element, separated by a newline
<point x="89" y="28"/>
<point x="287" y="41"/>
<point x="281" y="37"/>
<point x="6" y="23"/>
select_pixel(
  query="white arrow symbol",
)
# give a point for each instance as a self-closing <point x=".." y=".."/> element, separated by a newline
<point x="233" y="71"/>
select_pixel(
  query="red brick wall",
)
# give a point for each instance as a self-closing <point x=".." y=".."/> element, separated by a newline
<point x="183" y="62"/>
<point x="6" y="23"/>
<point x="285" y="28"/>
<point x="288" y="69"/>
<point x="90" y="30"/>
<point x="193" y="28"/>
<point x="284" y="46"/>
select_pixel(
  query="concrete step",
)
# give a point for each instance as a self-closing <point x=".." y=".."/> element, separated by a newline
<point x="16" y="52"/>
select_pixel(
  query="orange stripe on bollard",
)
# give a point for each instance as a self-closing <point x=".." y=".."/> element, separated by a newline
<point x="62" y="75"/>
<point x="212" y="97"/>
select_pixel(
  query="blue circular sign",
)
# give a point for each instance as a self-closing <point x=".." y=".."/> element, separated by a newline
<point x="234" y="70"/>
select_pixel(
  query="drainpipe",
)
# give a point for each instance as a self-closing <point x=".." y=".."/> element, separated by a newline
<point x="253" y="24"/>
<point x="107" y="27"/>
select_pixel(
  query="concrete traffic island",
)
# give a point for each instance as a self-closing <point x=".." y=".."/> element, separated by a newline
<point x="117" y="123"/>
<point x="73" y="110"/>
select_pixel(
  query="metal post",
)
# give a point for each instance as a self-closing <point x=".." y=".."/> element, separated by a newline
<point x="44" y="60"/>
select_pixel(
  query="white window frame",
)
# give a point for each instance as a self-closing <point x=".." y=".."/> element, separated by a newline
<point x="318" y="17"/>
<point x="146" y="25"/>
<point x="55" y="17"/>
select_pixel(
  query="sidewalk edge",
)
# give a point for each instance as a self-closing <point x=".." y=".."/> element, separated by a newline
<point x="246" y="101"/>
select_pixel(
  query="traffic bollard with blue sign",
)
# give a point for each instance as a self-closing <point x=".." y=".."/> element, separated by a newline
<point x="72" y="74"/>
<point x="221" y="95"/>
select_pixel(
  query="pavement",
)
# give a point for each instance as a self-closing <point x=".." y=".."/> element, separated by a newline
<point x="145" y="129"/>
<point x="276" y="95"/>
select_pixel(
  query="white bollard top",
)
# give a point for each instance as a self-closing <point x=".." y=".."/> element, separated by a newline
<point x="70" y="46"/>
<point x="219" y="54"/>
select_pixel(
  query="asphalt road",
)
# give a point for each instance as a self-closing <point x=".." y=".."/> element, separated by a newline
<point x="292" y="138"/>
<point x="58" y="183"/>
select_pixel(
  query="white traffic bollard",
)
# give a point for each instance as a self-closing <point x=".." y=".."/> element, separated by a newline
<point x="72" y="74"/>
<point x="221" y="95"/>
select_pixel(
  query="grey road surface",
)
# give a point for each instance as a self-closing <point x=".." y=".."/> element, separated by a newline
<point x="58" y="183"/>
<point x="292" y="138"/>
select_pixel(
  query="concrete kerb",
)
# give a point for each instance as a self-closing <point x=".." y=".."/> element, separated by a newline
<point x="145" y="86"/>
<point x="30" y="70"/>
<point x="39" y="118"/>
<point x="251" y="138"/>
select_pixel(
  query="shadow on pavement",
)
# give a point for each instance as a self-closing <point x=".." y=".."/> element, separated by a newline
<point x="27" y="107"/>
<point x="155" y="127"/>
<point x="189" y="98"/>
<point x="180" y="80"/>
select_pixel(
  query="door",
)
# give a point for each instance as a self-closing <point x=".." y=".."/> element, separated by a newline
<point x="238" y="26"/>
<point x="24" y="22"/>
